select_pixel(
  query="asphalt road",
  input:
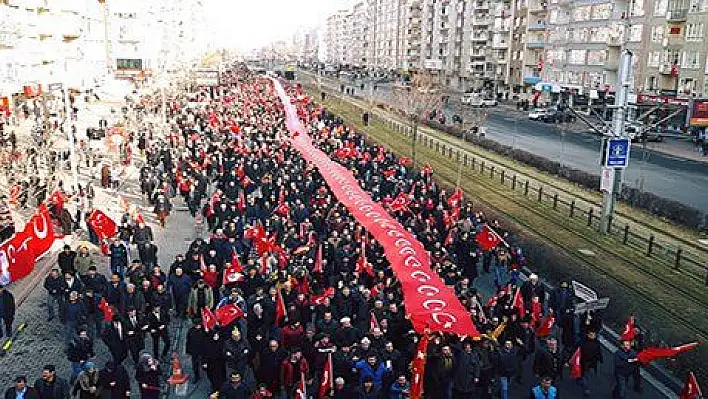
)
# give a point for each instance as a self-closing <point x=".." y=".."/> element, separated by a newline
<point x="670" y="177"/>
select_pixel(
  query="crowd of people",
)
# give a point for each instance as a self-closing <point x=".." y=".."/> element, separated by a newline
<point x="312" y="288"/>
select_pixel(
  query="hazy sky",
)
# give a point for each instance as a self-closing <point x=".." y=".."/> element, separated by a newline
<point x="250" y="24"/>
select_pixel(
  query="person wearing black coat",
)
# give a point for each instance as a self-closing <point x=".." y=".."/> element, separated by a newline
<point x="590" y="357"/>
<point x="7" y="311"/>
<point x="213" y="360"/>
<point x="50" y="386"/>
<point x="53" y="285"/>
<point x="114" y="336"/>
<point x="148" y="377"/>
<point x="114" y="381"/>
<point x="158" y="321"/>
<point x="20" y="386"/>
<point x="134" y="327"/>
<point x="548" y="362"/>
<point x="466" y="374"/>
<point x="196" y="340"/>
<point x="270" y="359"/>
<point x="441" y="372"/>
<point x="65" y="259"/>
<point x="235" y="388"/>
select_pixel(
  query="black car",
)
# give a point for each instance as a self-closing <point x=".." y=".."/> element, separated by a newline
<point x="554" y="115"/>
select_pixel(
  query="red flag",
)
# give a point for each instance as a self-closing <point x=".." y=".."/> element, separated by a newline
<point x="418" y="366"/>
<point x="327" y="380"/>
<point x="17" y="257"/>
<point x="106" y="309"/>
<point x="427" y="170"/>
<point x="41" y="230"/>
<point x="301" y="390"/>
<point x="235" y="262"/>
<point x="373" y="322"/>
<point x="400" y="203"/>
<point x="57" y="198"/>
<point x="389" y="173"/>
<point x="629" y="330"/>
<point x="405" y="161"/>
<point x="519" y="303"/>
<point x="546" y="325"/>
<point x="102" y="225"/>
<point x="650" y="354"/>
<point x="691" y="390"/>
<point x="228" y="313"/>
<point x="282" y="209"/>
<point x="575" y="370"/>
<point x="320" y="299"/>
<point x="488" y="239"/>
<point x="455" y="199"/>
<point x="362" y="264"/>
<point x="208" y="319"/>
<point x="233" y="274"/>
<point x="241" y="202"/>
<point x="380" y="155"/>
<point x="449" y="238"/>
<point x="255" y="233"/>
<point x="318" y="267"/>
<point x="280" y="311"/>
<point x="492" y="302"/>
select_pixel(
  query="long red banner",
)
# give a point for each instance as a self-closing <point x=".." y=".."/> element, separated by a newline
<point x="19" y="253"/>
<point x="429" y="303"/>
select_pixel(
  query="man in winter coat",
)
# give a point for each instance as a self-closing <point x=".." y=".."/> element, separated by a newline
<point x="50" y="386"/>
<point x="7" y="311"/>
<point x="237" y="352"/>
<point x="371" y="367"/>
<point x="134" y="327"/>
<point x="466" y="375"/>
<point x="548" y="363"/>
<point x="196" y="339"/>
<point x="442" y="372"/>
<point x="625" y="363"/>
<point x="508" y="364"/>
<point x="180" y="285"/>
<point x="21" y="390"/>
<point x="158" y="320"/>
<point x="80" y="350"/>
<point x="234" y="388"/>
<point x="118" y="254"/>
<point x="65" y="259"/>
<point x="590" y="357"/>
<point x="114" y="381"/>
<point x="114" y="336"/>
<point x="53" y="286"/>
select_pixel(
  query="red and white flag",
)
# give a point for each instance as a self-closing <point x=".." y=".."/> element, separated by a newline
<point x="629" y="330"/>
<point x="488" y="239"/>
<point x="400" y="203"/>
<point x="102" y="225"/>
<point x="208" y="319"/>
<point x="228" y="313"/>
<point x="235" y="262"/>
<point x="373" y="322"/>
<point x="418" y="368"/>
<point x="106" y="309"/>
<point x="575" y="370"/>
<point x="318" y="267"/>
<point x="327" y="380"/>
<point x="691" y="390"/>
<point x="519" y="303"/>
<point x="320" y="299"/>
<point x="241" y="201"/>
<point x="301" y="390"/>
<point x="455" y="200"/>
<point x="233" y="274"/>
<point x="544" y="329"/>
<point x="650" y="354"/>
<point x="362" y="264"/>
<point x="280" y="311"/>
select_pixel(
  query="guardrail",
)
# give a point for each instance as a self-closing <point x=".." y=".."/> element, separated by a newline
<point x="683" y="255"/>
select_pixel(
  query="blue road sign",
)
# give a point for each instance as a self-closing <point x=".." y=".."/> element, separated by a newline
<point x="617" y="155"/>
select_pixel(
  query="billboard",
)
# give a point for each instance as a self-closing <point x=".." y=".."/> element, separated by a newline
<point x="699" y="113"/>
<point x="207" y="77"/>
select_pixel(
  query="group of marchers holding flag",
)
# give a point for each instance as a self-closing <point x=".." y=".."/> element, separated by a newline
<point x="332" y="269"/>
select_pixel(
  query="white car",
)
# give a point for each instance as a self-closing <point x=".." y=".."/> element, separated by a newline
<point x="538" y="114"/>
<point x="476" y="100"/>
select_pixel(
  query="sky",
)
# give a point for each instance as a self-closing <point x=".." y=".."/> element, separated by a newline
<point x="247" y="24"/>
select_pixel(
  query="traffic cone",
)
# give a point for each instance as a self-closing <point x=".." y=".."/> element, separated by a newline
<point x="177" y="377"/>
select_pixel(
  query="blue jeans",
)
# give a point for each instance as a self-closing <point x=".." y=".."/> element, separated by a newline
<point x="500" y="275"/>
<point x="52" y="302"/>
<point x="621" y="388"/>
<point x="504" y="387"/>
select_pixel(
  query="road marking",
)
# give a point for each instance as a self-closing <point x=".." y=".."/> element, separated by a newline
<point x="586" y="252"/>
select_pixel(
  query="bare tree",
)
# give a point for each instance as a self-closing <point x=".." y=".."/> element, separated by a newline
<point x="416" y="100"/>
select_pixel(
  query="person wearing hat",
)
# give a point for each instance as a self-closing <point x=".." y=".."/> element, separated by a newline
<point x="51" y="386"/>
<point x="65" y="260"/>
<point x="21" y="390"/>
<point x="88" y="386"/>
<point x="7" y="311"/>
<point x="531" y="288"/>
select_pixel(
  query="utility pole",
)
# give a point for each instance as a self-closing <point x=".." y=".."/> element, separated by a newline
<point x="68" y="128"/>
<point x="624" y="83"/>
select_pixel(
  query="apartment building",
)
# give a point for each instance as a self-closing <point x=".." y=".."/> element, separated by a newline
<point x="674" y="56"/>
<point x="305" y="45"/>
<point x="338" y="38"/>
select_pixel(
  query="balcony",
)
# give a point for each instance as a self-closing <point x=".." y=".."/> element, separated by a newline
<point x="480" y="38"/>
<point x="538" y="7"/>
<point x="613" y="41"/>
<point x="483" y="5"/>
<point x="667" y="69"/>
<point x="477" y="63"/>
<point x="536" y="44"/>
<point x="678" y="15"/>
<point x="481" y="21"/>
<point x="537" y="27"/>
<point x="674" y="41"/>
<point x="500" y="45"/>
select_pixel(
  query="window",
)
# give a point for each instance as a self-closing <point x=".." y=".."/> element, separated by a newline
<point x="694" y="32"/>
<point x="635" y="33"/>
<point x="602" y="11"/>
<point x="654" y="59"/>
<point x="553" y="18"/>
<point x="657" y="33"/>
<point x="660" y="7"/>
<point x="123" y="63"/>
<point x="596" y="57"/>
<point x="577" y="57"/>
<point x="581" y="13"/>
<point x="650" y="83"/>
<point x="695" y="6"/>
<point x="690" y="59"/>
<point x="638" y="8"/>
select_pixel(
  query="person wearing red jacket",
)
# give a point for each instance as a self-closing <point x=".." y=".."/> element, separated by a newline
<point x="290" y="370"/>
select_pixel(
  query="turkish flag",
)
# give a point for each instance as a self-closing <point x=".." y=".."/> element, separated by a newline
<point x="280" y="311"/>
<point x="519" y="303"/>
<point x="427" y="170"/>
<point x="106" y="309"/>
<point x="304" y="286"/>
<point x="318" y="267"/>
<point x="228" y="313"/>
<point x="57" y="198"/>
<point x="546" y="325"/>
<point x="691" y="390"/>
<point x="400" y="203"/>
<point x="233" y="274"/>
<point x="455" y="199"/>
<point x="405" y="161"/>
<point x="241" y="202"/>
<point x="102" y="225"/>
<point x="389" y="173"/>
<point x="487" y="239"/>
<point x="208" y="319"/>
<point x="629" y="330"/>
<point x="235" y="263"/>
<point x="650" y="354"/>
<point x="17" y="258"/>
<point x="575" y="370"/>
<point x="362" y="264"/>
<point x="301" y="390"/>
<point x="41" y="230"/>
<point x="282" y="209"/>
<point x="327" y="380"/>
<point x="320" y="299"/>
<point x="373" y="322"/>
<point x="255" y="233"/>
<point x="418" y="368"/>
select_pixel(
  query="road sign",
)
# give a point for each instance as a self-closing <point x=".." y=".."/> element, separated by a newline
<point x="617" y="155"/>
<point x="608" y="179"/>
<point x="584" y="292"/>
<point x="55" y="86"/>
<point x="597" y="304"/>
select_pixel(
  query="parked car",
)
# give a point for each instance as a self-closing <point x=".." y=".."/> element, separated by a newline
<point x="476" y="100"/>
<point x="554" y="115"/>
<point x="537" y="114"/>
